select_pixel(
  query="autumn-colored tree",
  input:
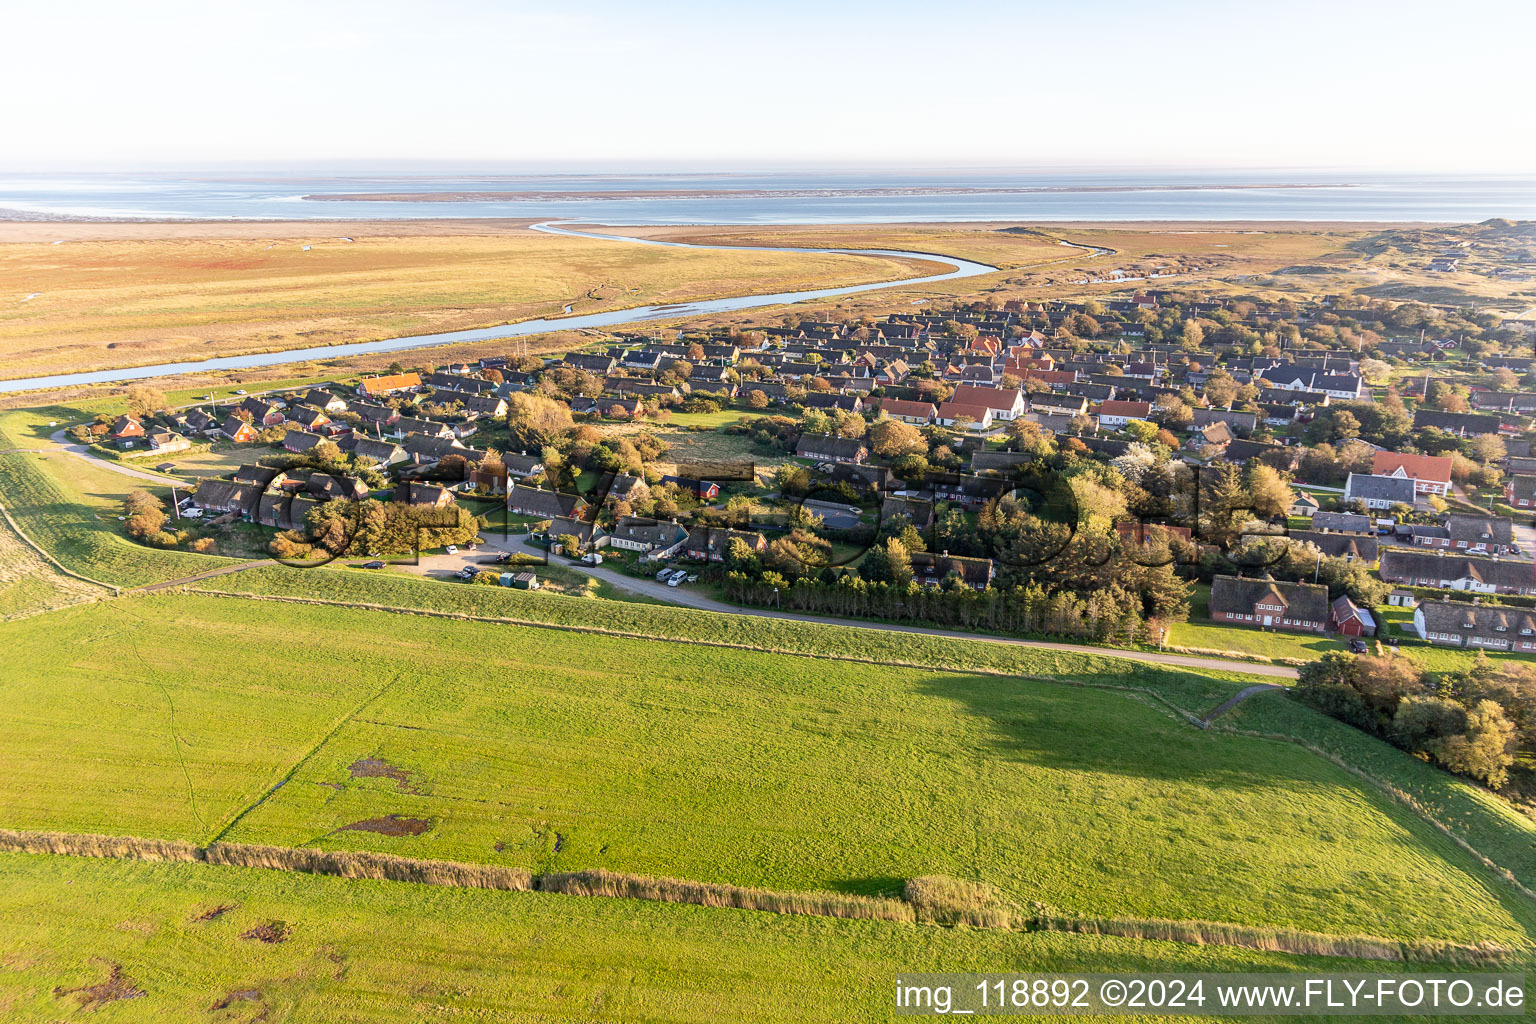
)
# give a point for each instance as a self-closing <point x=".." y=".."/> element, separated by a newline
<point x="891" y="439"/>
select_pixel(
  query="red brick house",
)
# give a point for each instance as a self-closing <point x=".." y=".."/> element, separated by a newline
<point x="1269" y="604"/>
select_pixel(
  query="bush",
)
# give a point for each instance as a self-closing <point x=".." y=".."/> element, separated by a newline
<point x="937" y="899"/>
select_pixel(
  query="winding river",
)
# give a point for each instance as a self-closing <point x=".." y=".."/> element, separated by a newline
<point x="959" y="268"/>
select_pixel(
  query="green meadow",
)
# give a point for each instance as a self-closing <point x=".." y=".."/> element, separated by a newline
<point x="390" y="951"/>
<point x="191" y="717"/>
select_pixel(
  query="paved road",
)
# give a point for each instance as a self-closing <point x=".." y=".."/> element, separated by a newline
<point x="60" y="439"/>
<point x="693" y="597"/>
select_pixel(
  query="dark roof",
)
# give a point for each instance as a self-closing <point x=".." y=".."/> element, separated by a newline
<point x="535" y="501"/>
<point x="1396" y="489"/>
<point x="977" y="572"/>
<point x="1480" y="529"/>
<point x="1483" y="620"/>
<point x="1235" y="595"/>
<point x="226" y="494"/>
<point x="1346" y="522"/>
<point x="1339" y="545"/>
<point x="831" y="445"/>
<point x="1401" y="565"/>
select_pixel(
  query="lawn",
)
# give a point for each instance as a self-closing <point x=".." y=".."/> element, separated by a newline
<point x="553" y="750"/>
<point x="383" y="951"/>
<point x="134" y="300"/>
<point x="1200" y="632"/>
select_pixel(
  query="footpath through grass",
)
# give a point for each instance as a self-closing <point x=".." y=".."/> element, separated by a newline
<point x="556" y="750"/>
<point x="389" y="951"/>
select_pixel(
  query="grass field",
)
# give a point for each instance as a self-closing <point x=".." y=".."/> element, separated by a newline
<point x="131" y="301"/>
<point x="574" y="751"/>
<point x="29" y="583"/>
<point x="383" y="951"/>
<point x="70" y="508"/>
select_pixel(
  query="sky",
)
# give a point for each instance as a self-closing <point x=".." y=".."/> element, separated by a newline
<point x="673" y="85"/>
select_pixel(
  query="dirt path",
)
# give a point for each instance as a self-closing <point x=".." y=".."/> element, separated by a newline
<point x="182" y="581"/>
<point x="1236" y="699"/>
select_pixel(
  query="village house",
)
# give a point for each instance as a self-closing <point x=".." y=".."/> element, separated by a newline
<point x="222" y="496"/>
<point x="1304" y="505"/>
<point x="1004" y="403"/>
<point x="240" y="431"/>
<point x="1447" y="623"/>
<point x="713" y="543"/>
<point x="375" y="387"/>
<point x="367" y="451"/>
<point x="523" y="500"/>
<point x="589" y="535"/>
<point x="918" y="510"/>
<point x="1474" y="575"/>
<point x="1114" y="415"/>
<point x="932" y="569"/>
<point x="1348" y="546"/>
<point x="1481" y="535"/>
<point x="1343" y="522"/>
<point x="301" y="440"/>
<point x="200" y="421"/>
<point x="1520" y="491"/>
<point x="654" y="539"/>
<point x="831" y="448"/>
<point x="168" y="441"/>
<point x="1431" y="474"/>
<point x="308" y="417"/>
<point x="324" y="400"/>
<point x="921" y="413"/>
<point x="972" y="417"/>
<point x="420" y="495"/>
<point x="1349" y="619"/>
<point x="1380" y="492"/>
<point x="1267" y="603"/>
<point x="127" y="428"/>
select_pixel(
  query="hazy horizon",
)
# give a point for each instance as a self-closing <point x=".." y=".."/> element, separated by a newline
<point x="685" y="86"/>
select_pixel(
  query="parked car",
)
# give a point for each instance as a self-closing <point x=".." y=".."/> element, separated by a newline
<point x="693" y="577"/>
<point x="1391" y="641"/>
<point x="674" y="581"/>
<point x="241" y="391"/>
<point x="664" y="572"/>
<point x="452" y="549"/>
<point x="680" y="574"/>
<point x="373" y="565"/>
<point x="1358" y="646"/>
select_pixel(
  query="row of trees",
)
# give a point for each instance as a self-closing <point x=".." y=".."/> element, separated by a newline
<point x="1106" y="616"/>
